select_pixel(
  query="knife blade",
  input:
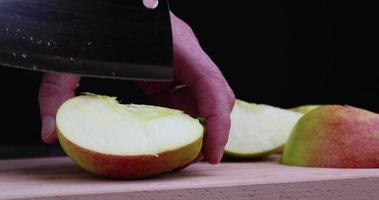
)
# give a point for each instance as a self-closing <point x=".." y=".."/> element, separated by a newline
<point x="120" y="39"/>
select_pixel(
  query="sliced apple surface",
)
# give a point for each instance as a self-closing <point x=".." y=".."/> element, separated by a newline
<point x="126" y="141"/>
<point x="257" y="130"/>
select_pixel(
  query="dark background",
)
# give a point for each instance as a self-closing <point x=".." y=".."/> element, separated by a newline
<point x="274" y="52"/>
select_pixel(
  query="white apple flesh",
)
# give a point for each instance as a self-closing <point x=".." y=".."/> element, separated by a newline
<point x="126" y="141"/>
<point x="257" y="130"/>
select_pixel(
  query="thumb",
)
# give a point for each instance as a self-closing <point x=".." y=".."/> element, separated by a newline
<point x="54" y="90"/>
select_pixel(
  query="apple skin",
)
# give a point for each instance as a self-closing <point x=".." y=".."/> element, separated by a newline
<point x="130" y="167"/>
<point x="239" y="156"/>
<point x="305" y="108"/>
<point x="334" y="136"/>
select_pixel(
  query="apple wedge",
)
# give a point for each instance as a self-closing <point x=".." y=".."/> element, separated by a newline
<point x="126" y="141"/>
<point x="305" y="108"/>
<point x="258" y="130"/>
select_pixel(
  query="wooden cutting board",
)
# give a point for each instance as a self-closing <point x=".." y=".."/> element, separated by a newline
<point x="60" y="179"/>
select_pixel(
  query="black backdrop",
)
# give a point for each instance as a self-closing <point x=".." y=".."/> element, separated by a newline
<point x="274" y="52"/>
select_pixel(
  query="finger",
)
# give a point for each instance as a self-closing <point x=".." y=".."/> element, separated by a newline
<point x="215" y="103"/>
<point x="154" y="87"/>
<point x="178" y="98"/>
<point x="214" y="97"/>
<point x="54" y="90"/>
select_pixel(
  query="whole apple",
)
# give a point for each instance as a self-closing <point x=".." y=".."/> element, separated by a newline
<point x="334" y="136"/>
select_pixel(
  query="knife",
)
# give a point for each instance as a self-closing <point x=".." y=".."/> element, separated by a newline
<point x="119" y="39"/>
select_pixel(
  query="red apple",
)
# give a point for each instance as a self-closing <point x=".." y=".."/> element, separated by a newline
<point x="334" y="136"/>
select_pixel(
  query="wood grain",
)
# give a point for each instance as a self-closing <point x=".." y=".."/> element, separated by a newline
<point x="60" y="179"/>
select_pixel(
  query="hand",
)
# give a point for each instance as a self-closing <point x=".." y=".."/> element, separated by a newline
<point x="199" y="89"/>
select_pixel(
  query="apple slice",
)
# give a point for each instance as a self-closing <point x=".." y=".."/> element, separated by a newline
<point x="258" y="130"/>
<point x="126" y="141"/>
<point x="305" y="108"/>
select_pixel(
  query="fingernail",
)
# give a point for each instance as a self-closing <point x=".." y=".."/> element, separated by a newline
<point x="48" y="127"/>
<point x="214" y="158"/>
<point x="219" y="156"/>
